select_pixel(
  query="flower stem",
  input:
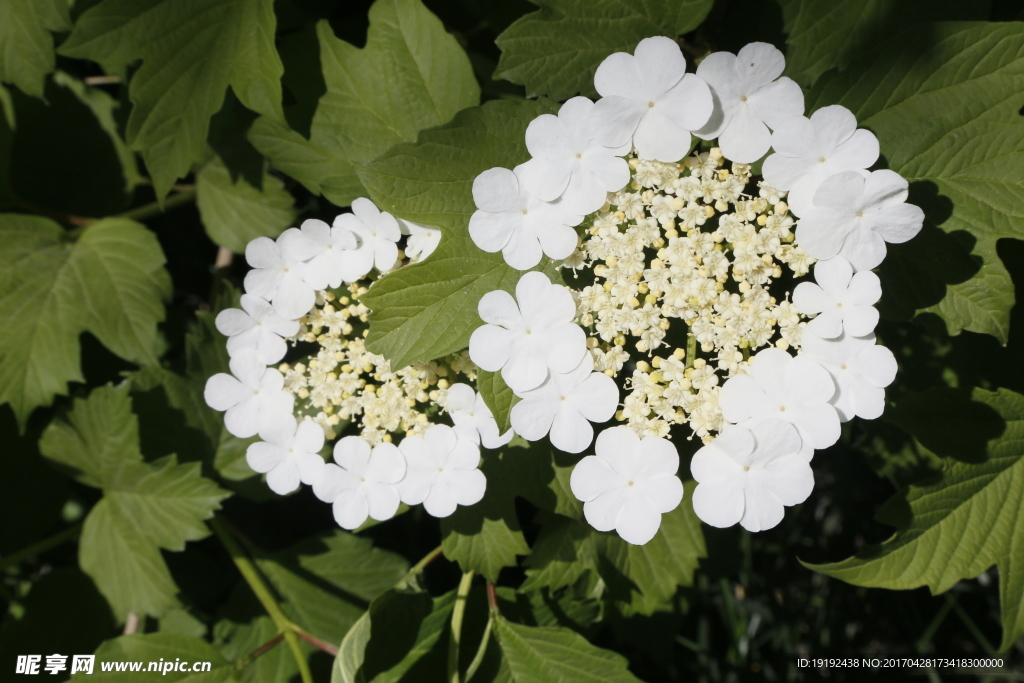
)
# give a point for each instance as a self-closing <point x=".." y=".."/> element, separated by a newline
<point x="315" y="642"/>
<point x="72" y="532"/>
<point x="458" y="613"/>
<point x="478" y="658"/>
<point x="152" y="209"/>
<point x="419" y="567"/>
<point x="691" y="348"/>
<point x="263" y="594"/>
<point x="262" y="649"/>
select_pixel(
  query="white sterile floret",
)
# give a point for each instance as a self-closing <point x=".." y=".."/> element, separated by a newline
<point x="363" y="483"/>
<point x="648" y="97"/>
<point x="512" y="220"/>
<point x="629" y="484"/>
<point x="330" y="254"/>
<point x="568" y="163"/>
<point x="526" y="339"/>
<point x="288" y="454"/>
<point x="780" y="386"/>
<point x="278" y="277"/>
<point x="254" y="397"/>
<point x="842" y="299"/>
<point x="565" y="405"/>
<point x="473" y="419"/>
<point x="378" y="234"/>
<point x="748" y="100"/>
<point x="807" y="151"/>
<point x="423" y="239"/>
<point x="854" y="216"/>
<point x="860" y="368"/>
<point x="258" y="327"/>
<point x="442" y="471"/>
<point x="750" y="475"/>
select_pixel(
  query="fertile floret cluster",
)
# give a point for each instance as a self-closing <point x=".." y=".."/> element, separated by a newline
<point x="684" y="299"/>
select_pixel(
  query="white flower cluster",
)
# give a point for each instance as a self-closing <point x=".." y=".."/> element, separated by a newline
<point x="290" y="297"/>
<point x="614" y="167"/>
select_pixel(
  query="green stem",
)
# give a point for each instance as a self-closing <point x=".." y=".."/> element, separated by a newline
<point x="263" y="594"/>
<point x="419" y="567"/>
<point x="971" y="626"/>
<point x="264" y="648"/>
<point x="478" y="658"/>
<point x="152" y="209"/>
<point x="691" y="348"/>
<point x="456" y="634"/>
<point x="42" y="546"/>
<point x="937" y="620"/>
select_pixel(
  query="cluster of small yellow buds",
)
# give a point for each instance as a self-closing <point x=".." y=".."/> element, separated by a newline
<point x="686" y="244"/>
<point x="344" y="382"/>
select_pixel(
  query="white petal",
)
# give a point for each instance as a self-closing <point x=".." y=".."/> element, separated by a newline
<point x="790" y="479"/>
<point x="865" y="289"/>
<point x="468" y="486"/>
<point x="864" y="248"/>
<point x="263" y="457"/>
<point x="523" y="250"/>
<point x="637" y="521"/>
<point x="660" y="137"/>
<point x="591" y="477"/>
<point x="531" y="419"/>
<point x="596" y="398"/>
<point x="615" y="118"/>
<point x="664" y="492"/>
<point x="602" y="512"/>
<point x="618" y="75"/>
<point x="309" y="437"/>
<point x="834" y="276"/>
<point x="720" y="504"/>
<point x="570" y="431"/>
<point x="860" y="320"/>
<point x="745" y="139"/>
<point x="224" y="391"/>
<point x="809" y="298"/>
<point x="898" y="224"/>
<point x="440" y="502"/>
<point x="351" y="509"/>
<point x="620" y="448"/>
<point x="490" y="347"/>
<point x="386" y="465"/>
<point x="834" y="125"/>
<point x="496" y="190"/>
<point x="263" y="282"/>
<point x="877" y="365"/>
<point x="294" y="298"/>
<point x="778" y="102"/>
<point x="243" y="420"/>
<point x="263" y="252"/>
<point x="382" y="501"/>
<point x="352" y="453"/>
<point x="232" y="321"/>
<point x="761" y="511"/>
<point x="460" y="397"/>
<point x="284" y="478"/>
<point x="741" y="397"/>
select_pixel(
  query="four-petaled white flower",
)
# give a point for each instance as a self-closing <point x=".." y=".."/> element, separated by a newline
<point x="648" y="97"/>
<point x="568" y="163"/>
<point x="629" y="484"/>
<point x="807" y="151"/>
<point x="780" y="386"/>
<point x="330" y="253"/>
<point x="378" y="235"/>
<point x="854" y="216"/>
<point x="522" y="226"/>
<point x="473" y="419"/>
<point x="750" y="475"/>
<point x="565" y="405"/>
<point x="278" y="277"/>
<point x="748" y="100"/>
<point x="442" y="471"/>
<point x="288" y="454"/>
<point x="254" y="397"/>
<point x="842" y="299"/>
<point x="363" y="483"/>
<point x="258" y="327"/>
<point x="860" y="368"/>
<point x="526" y="339"/>
<point x="423" y="239"/>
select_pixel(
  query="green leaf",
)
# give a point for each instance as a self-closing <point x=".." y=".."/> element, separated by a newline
<point x="153" y="647"/>
<point x="963" y="166"/>
<point x="830" y="33"/>
<point x="486" y="537"/>
<point x="191" y="51"/>
<point x="236" y="641"/>
<point x="968" y="519"/>
<point x="110" y="282"/>
<point x="556" y="655"/>
<point x="328" y="581"/>
<point x="498" y="397"/>
<point x="68" y="154"/>
<point x="145" y="506"/>
<point x="26" y="46"/>
<point x="641" y="578"/>
<point x="411" y="75"/>
<point x="428" y="310"/>
<point x="555" y="51"/>
<point x="398" y="630"/>
<point x="235" y="212"/>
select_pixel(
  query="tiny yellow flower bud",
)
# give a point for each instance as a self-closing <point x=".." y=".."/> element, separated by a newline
<point x="620" y="340"/>
<point x="651" y="299"/>
<point x="643" y="366"/>
<point x="442" y="384"/>
<point x="592" y="342"/>
<point x="664" y="325"/>
<point x="386" y="438"/>
<point x="609" y="372"/>
<point x="716" y="153"/>
<point x="679" y="353"/>
<point x="657" y="361"/>
<point x="619" y="416"/>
